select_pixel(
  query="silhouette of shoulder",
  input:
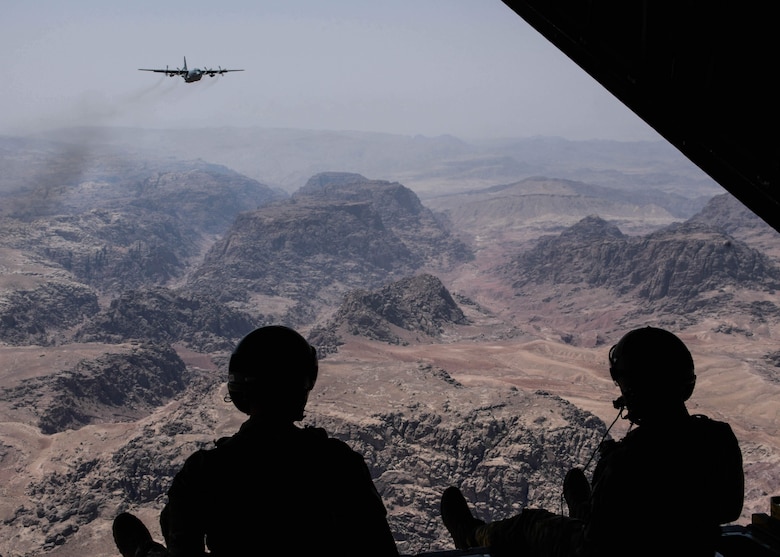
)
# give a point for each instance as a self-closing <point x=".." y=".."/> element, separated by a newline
<point x="257" y="446"/>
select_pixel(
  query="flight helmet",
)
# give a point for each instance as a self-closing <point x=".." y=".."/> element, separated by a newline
<point x="652" y="366"/>
<point x="272" y="369"/>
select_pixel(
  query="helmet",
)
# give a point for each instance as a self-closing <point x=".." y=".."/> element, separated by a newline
<point x="652" y="364"/>
<point x="274" y="368"/>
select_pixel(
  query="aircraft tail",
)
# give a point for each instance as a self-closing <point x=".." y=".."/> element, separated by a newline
<point x="185" y="64"/>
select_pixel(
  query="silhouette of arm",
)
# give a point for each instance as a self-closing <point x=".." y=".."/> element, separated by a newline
<point x="181" y="518"/>
<point x="724" y="470"/>
<point x="358" y="507"/>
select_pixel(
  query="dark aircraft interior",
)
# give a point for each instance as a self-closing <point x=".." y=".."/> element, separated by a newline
<point x="700" y="73"/>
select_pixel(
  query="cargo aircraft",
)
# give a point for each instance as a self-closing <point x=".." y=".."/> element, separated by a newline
<point x="190" y="75"/>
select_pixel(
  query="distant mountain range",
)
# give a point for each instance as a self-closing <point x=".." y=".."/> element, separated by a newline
<point x="287" y="158"/>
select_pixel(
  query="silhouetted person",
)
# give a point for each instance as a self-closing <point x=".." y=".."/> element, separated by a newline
<point x="664" y="489"/>
<point x="273" y="488"/>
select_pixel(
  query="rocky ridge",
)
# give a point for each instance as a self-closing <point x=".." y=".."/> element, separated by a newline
<point x="676" y="269"/>
<point x="113" y="387"/>
<point x="168" y="316"/>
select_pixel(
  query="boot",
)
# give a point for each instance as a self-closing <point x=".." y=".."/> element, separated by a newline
<point x="457" y="518"/>
<point x="133" y="539"/>
<point x="576" y="492"/>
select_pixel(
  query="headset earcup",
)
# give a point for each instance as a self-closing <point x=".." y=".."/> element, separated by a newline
<point x="239" y="397"/>
<point x="688" y="388"/>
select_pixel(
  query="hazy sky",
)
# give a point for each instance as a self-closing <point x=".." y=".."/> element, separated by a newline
<point x="470" y="68"/>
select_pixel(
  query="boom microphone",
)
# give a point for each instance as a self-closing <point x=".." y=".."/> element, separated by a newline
<point x="620" y="404"/>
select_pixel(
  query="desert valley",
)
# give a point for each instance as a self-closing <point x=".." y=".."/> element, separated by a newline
<point x="463" y="298"/>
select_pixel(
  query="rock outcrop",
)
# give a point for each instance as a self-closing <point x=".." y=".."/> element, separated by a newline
<point x="39" y="315"/>
<point x="168" y="316"/>
<point x="418" y="307"/>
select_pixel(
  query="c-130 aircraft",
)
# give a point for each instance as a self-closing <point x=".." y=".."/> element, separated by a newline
<point x="190" y="75"/>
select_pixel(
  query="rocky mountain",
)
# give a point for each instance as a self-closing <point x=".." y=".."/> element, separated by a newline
<point x="58" y="178"/>
<point x="129" y="230"/>
<point x="724" y="211"/>
<point x="112" y="387"/>
<point x="340" y="232"/>
<point x="727" y="213"/>
<point x="677" y="268"/>
<point x="427" y="234"/>
<point x="419" y="305"/>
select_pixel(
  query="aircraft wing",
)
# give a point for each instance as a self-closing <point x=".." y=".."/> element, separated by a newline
<point x="219" y="71"/>
<point x="167" y="72"/>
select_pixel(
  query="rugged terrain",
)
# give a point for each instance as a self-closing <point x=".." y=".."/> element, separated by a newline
<point x="463" y="332"/>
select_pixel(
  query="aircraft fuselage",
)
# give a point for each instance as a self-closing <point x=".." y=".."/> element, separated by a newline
<point x="193" y="75"/>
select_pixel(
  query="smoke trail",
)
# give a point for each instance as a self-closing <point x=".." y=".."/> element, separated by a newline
<point x="212" y="81"/>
